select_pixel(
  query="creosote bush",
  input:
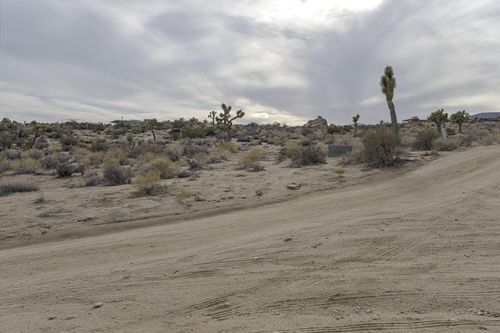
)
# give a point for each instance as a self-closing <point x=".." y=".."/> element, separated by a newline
<point x="424" y="139"/>
<point x="380" y="147"/>
<point x="27" y="165"/>
<point x="117" y="175"/>
<point x="308" y="154"/>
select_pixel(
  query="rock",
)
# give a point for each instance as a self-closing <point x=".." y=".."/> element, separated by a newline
<point x="293" y="186"/>
<point x="97" y="305"/>
<point x="259" y="193"/>
<point x="287" y="239"/>
<point x="52" y="318"/>
<point x="316" y="128"/>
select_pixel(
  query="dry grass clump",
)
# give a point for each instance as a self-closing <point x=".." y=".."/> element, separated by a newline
<point x="117" y="175"/>
<point x="26" y="165"/>
<point x="18" y="187"/>
<point x="250" y="160"/>
<point x="228" y="146"/>
<point x="182" y="195"/>
<point x="120" y="156"/>
<point x="4" y="166"/>
<point x="165" y="167"/>
<point x="148" y="183"/>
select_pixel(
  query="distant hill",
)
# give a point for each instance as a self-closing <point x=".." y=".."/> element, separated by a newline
<point x="486" y="116"/>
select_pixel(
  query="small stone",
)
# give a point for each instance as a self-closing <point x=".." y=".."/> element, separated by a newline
<point x="287" y="239"/>
<point x="259" y="193"/>
<point x="293" y="186"/>
<point x="97" y="305"/>
<point x="52" y="318"/>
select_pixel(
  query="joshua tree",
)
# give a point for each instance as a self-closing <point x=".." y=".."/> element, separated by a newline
<point x="225" y="120"/>
<point x="150" y="124"/>
<point x="459" y="118"/>
<point x="212" y="115"/>
<point x="355" y="121"/>
<point x="388" y="84"/>
<point x="438" y="117"/>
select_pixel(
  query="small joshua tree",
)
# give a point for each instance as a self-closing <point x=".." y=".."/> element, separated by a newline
<point x="388" y="84"/>
<point x="225" y="120"/>
<point x="459" y="118"/>
<point x="355" y="120"/>
<point x="150" y="124"/>
<point x="213" y="116"/>
<point x="438" y="117"/>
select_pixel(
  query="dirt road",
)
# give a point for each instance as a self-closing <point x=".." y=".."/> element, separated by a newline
<point x="418" y="253"/>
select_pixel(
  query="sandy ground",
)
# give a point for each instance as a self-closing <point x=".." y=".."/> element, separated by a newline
<point x="65" y="208"/>
<point x="418" y="252"/>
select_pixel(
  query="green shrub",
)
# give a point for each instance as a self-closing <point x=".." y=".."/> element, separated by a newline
<point x="308" y="154"/>
<point x="380" y="147"/>
<point x="424" y="139"/>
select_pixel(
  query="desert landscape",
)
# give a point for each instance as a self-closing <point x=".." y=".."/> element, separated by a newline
<point x="277" y="166"/>
<point x="260" y="233"/>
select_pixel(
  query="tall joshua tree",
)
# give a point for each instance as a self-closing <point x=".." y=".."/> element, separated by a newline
<point x="213" y="116"/>
<point x="459" y="118"/>
<point x="355" y="121"/>
<point x="388" y="84"/>
<point x="438" y="117"/>
<point x="225" y="120"/>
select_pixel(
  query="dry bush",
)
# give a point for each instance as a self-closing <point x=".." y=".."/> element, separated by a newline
<point x="175" y="151"/>
<point x="67" y="169"/>
<point x="228" y="146"/>
<point x="424" y="139"/>
<point x="165" y="167"/>
<point x="52" y="160"/>
<point x="99" y="145"/>
<point x="250" y="160"/>
<point x="117" y="175"/>
<point x="26" y="165"/>
<point x="92" y="179"/>
<point x="182" y="195"/>
<point x="380" y="147"/>
<point x="308" y="154"/>
<point x="118" y="155"/>
<point x="12" y="154"/>
<point x="4" y="166"/>
<point x="196" y="147"/>
<point x="148" y="183"/>
<point x="452" y="143"/>
<point x="19" y="187"/>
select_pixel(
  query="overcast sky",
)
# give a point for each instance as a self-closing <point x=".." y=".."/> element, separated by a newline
<point x="279" y="60"/>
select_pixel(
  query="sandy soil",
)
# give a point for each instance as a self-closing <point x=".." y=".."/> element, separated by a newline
<point x="418" y="252"/>
<point x="65" y="208"/>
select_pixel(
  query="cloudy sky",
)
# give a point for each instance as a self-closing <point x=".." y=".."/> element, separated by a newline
<point x="279" y="60"/>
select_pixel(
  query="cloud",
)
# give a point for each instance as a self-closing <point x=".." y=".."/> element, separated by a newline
<point x="279" y="61"/>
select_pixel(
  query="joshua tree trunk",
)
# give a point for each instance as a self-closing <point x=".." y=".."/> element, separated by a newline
<point x="460" y="128"/>
<point x="355" y="130"/>
<point x="394" y="120"/>
<point x="154" y="135"/>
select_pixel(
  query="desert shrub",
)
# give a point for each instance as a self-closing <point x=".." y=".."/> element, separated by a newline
<point x="68" y="141"/>
<point x="93" y="180"/>
<point x="117" y="175"/>
<point x="99" y="145"/>
<point x="196" y="147"/>
<point x="194" y="131"/>
<point x="4" y="166"/>
<point x="424" y="139"/>
<point x="148" y="183"/>
<point x="118" y="155"/>
<point x="292" y="148"/>
<point x="11" y="188"/>
<point x="52" y="160"/>
<point x="227" y="146"/>
<point x="27" y="165"/>
<point x="308" y="154"/>
<point x="380" y="147"/>
<point x="250" y="160"/>
<point x="175" y="151"/>
<point x="41" y="143"/>
<point x="12" y="154"/>
<point x="452" y="143"/>
<point x="67" y="169"/>
<point x="33" y="153"/>
<point x="165" y="168"/>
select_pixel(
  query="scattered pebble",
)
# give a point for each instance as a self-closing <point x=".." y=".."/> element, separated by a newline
<point x="97" y="305"/>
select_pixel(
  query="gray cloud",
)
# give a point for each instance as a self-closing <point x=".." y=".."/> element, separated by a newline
<point x="99" y="60"/>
